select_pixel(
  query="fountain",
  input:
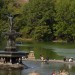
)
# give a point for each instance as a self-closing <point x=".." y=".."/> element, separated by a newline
<point x="11" y="57"/>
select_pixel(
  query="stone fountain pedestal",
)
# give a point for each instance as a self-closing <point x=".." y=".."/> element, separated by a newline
<point x="12" y="59"/>
<point x="11" y="56"/>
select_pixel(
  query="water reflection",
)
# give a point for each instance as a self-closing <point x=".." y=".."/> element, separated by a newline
<point x="64" y="70"/>
<point x="34" y="73"/>
<point x="43" y="49"/>
<point x="41" y="68"/>
<point x="59" y="69"/>
<point x="10" y="72"/>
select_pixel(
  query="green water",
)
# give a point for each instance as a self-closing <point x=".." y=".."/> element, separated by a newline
<point x="47" y="49"/>
<point x="51" y="50"/>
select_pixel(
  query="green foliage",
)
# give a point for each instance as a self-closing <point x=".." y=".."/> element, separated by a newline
<point x="39" y="15"/>
<point x="26" y="32"/>
<point x="41" y="20"/>
<point x="42" y="33"/>
<point x="6" y="6"/>
<point x="65" y="17"/>
<point x="1" y="4"/>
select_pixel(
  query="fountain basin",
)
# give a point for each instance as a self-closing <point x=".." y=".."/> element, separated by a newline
<point x="12" y="59"/>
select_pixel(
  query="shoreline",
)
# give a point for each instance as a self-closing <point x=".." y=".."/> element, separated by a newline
<point x="55" y="61"/>
<point x="21" y="66"/>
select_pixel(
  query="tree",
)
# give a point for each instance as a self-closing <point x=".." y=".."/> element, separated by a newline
<point x="42" y="33"/>
<point x="6" y="7"/>
<point x="65" y="17"/>
<point x="39" y="13"/>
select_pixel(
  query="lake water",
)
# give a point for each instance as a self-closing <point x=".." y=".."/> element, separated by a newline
<point x="41" y="68"/>
<point x="51" y="50"/>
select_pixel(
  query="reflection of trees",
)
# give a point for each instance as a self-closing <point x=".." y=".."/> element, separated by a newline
<point x="66" y="67"/>
<point x="73" y="68"/>
<point x="40" y="48"/>
<point x="34" y="73"/>
<point x="63" y="70"/>
<point x="10" y="72"/>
